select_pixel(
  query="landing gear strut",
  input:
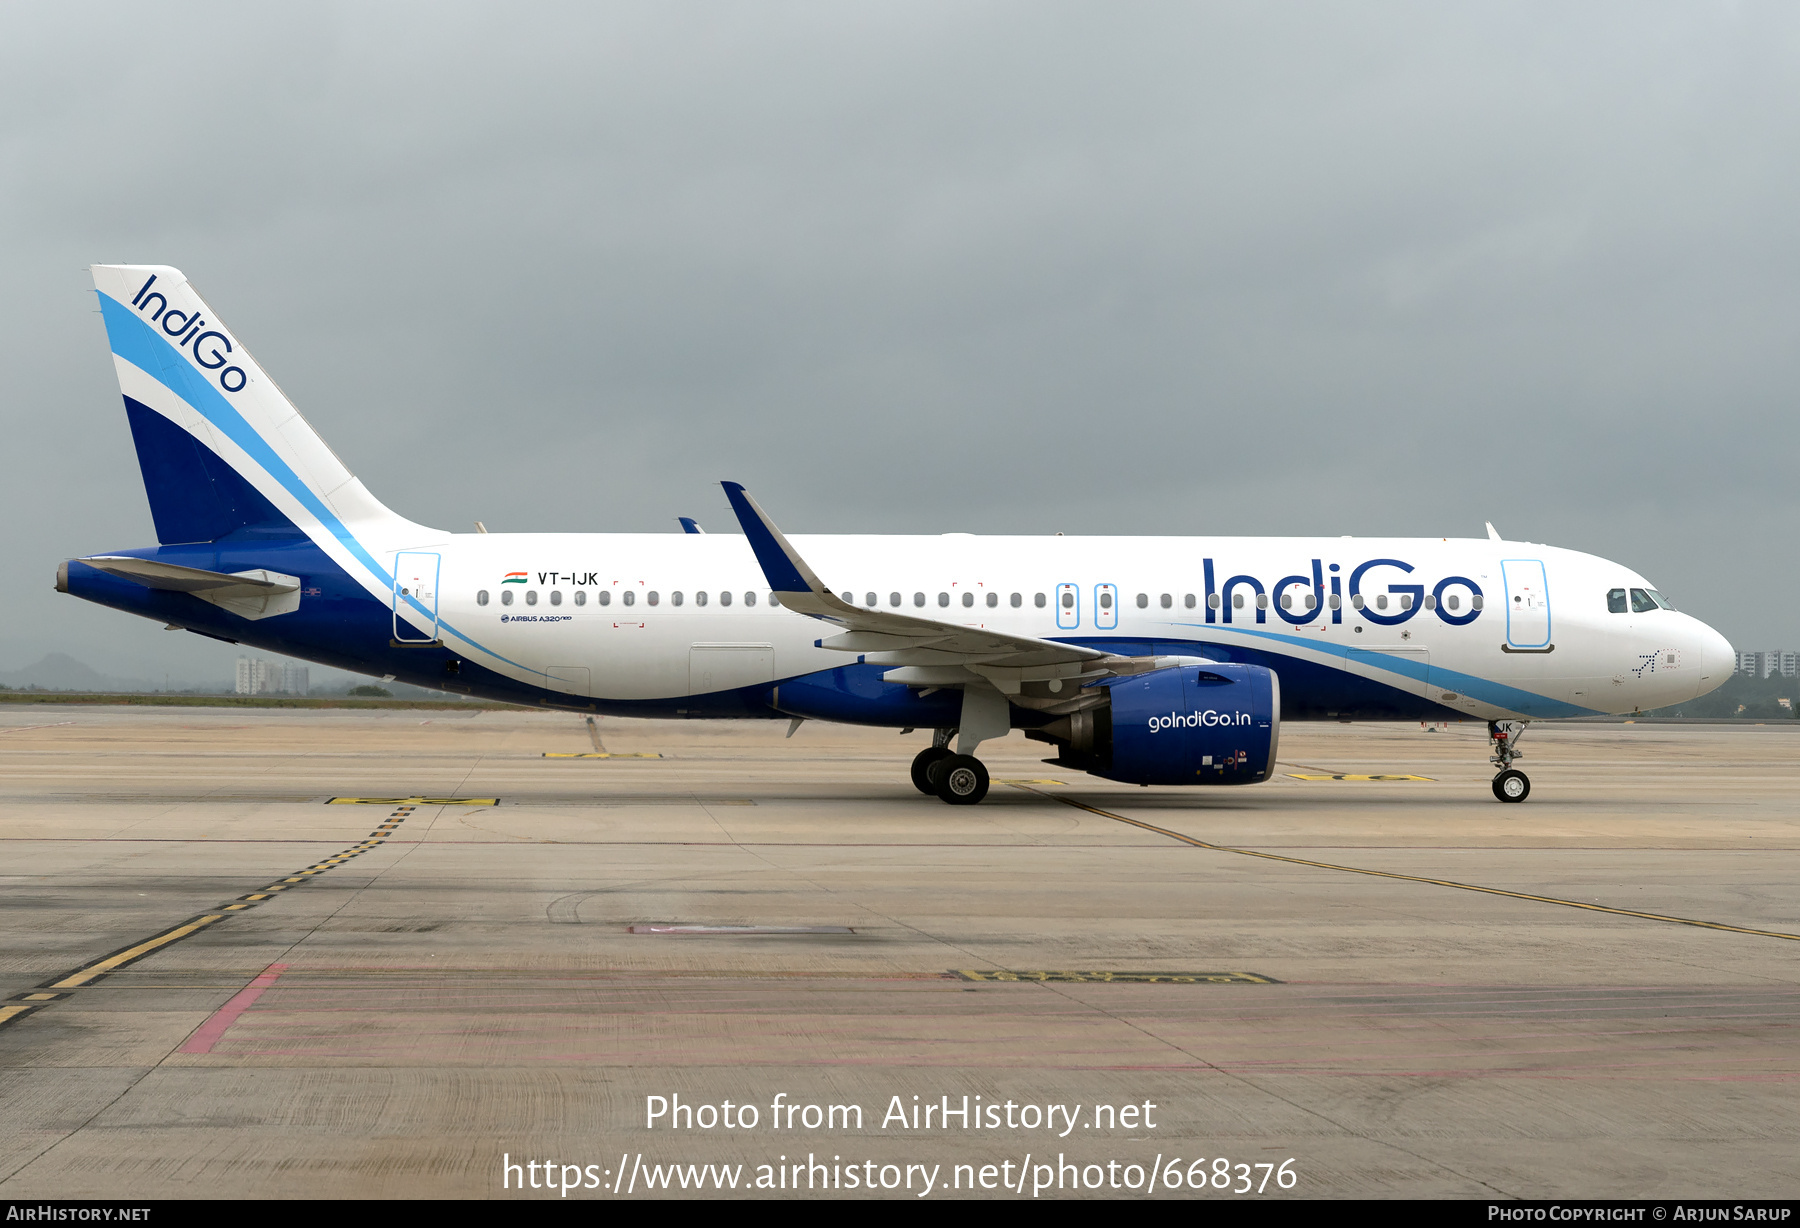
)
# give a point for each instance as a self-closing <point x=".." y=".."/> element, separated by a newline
<point x="1510" y="784"/>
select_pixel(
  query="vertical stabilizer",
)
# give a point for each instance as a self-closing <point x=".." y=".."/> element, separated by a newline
<point x="223" y="451"/>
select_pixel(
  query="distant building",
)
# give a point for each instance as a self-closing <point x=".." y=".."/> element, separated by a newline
<point x="1770" y="663"/>
<point x="258" y="677"/>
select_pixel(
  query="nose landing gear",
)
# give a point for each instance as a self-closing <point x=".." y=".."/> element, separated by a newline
<point x="1510" y="784"/>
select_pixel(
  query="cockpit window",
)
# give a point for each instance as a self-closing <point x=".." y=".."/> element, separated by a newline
<point x="1660" y="600"/>
<point x="1643" y="600"/>
<point x="1615" y="601"/>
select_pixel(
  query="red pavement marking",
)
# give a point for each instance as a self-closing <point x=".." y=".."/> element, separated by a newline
<point x="208" y="1034"/>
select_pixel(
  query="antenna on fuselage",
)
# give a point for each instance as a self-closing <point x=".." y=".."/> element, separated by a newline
<point x="1493" y="534"/>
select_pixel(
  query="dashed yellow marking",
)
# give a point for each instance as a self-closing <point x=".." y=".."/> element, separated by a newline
<point x="111" y="963"/>
<point x="101" y="967"/>
<point x="1352" y="776"/>
<point x="1122" y="978"/>
<point x="417" y="801"/>
<point x="1034" y="782"/>
<point x="603" y="754"/>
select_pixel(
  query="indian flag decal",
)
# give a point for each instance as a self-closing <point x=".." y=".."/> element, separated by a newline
<point x="514" y="577"/>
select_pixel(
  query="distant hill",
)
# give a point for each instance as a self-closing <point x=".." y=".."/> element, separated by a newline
<point x="60" y="672"/>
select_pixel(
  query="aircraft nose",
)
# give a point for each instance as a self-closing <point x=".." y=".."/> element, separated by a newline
<point x="1715" y="656"/>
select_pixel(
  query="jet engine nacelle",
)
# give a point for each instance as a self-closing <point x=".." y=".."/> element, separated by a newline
<point x="1214" y="724"/>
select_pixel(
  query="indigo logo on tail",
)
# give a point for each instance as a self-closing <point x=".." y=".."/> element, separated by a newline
<point x="187" y="327"/>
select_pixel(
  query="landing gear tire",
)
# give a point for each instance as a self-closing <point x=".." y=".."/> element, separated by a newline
<point x="1512" y="785"/>
<point x="961" y="780"/>
<point x="921" y="768"/>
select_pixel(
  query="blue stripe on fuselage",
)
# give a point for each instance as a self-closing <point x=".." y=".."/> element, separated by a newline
<point x="1499" y="694"/>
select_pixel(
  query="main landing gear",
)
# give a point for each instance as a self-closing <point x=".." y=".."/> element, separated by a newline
<point x="1510" y="784"/>
<point x="961" y="780"/>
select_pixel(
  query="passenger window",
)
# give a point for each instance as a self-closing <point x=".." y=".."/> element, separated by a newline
<point x="1641" y="601"/>
<point x="1356" y="601"/>
<point x="1188" y="601"/>
<point x="1167" y="601"/>
<point x="848" y="598"/>
<point x="506" y="596"/>
<point x="652" y="597"/>
<point x="774" y="601"/>
<point x="1615" y="601"/>
<point x="1287" y="601"/>
<point x="1475" y="602"/>
<point x="871" y="600"/>
<point x="674" y="597"/>
<point x="1312" y="601"/>
<point x="581" y="597"/>
<point x="481" y="597"/>
<point x="1453" y="601"/>
<point x="749" y="599"/>
<point x="628" y="597"/>
<point x="1335" y="601"/>
<point x="943" y="599"/>
<point x="918" y="599"/>
<point x="1430" y="602"/>
<point x="1406" y="601"/>
<point x="894" y="600"/>
<point x="724" y="597"/>
<point x="1212" y="600"/>
<point x="699" y="597"/>
<point x="556" y="596"/>
<point x="1068" y="601"/>
<point x="604" y="596"/>
<point x="968" y="600"/>
<point x="993" y="600"/>
<point x="1237" y="601"/>
<point x="1018" y="599"/>
<point x="1039" y="601"/>
<point x="531" y="596"/>
<point x="1143" y="601"/>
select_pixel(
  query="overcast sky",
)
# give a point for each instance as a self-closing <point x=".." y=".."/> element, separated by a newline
<point x="1098" y="268"/>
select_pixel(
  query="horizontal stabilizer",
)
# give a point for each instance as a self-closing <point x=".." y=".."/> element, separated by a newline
<point x="251" y="594"/>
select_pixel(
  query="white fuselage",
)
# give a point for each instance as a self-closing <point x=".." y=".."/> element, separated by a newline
<point x="633" y="617"/>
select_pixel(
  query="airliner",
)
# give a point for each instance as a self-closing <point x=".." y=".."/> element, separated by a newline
<point x="1145" y="660"/>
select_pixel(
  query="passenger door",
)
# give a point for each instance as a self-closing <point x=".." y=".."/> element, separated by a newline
<point x="1527" y="603"/>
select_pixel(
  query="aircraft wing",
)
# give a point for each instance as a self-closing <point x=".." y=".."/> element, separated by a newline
<point x="928" y="652"/>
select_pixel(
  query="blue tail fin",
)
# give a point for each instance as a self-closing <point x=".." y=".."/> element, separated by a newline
<point x="223" y="451"/>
